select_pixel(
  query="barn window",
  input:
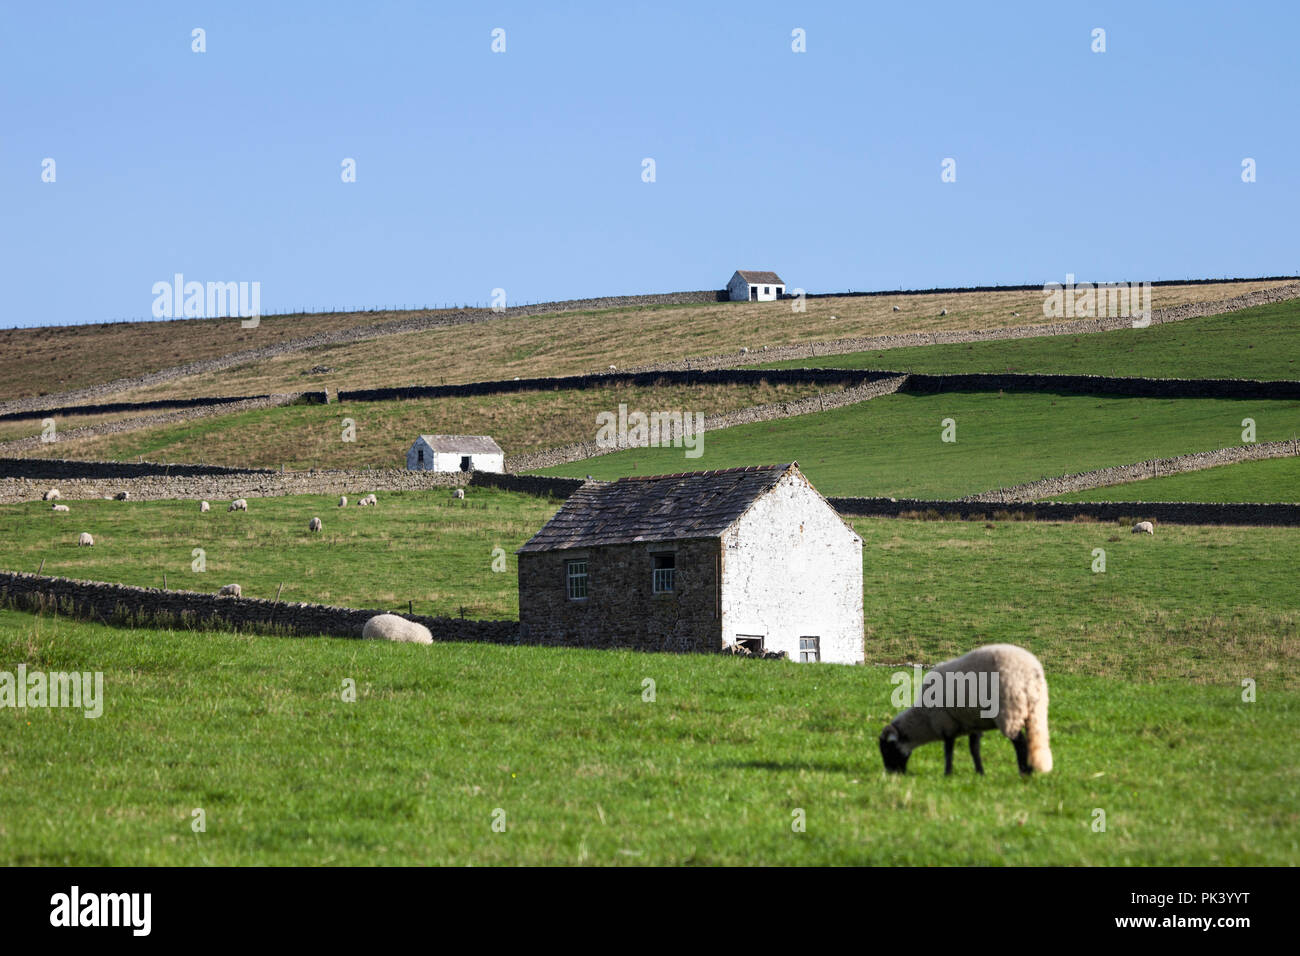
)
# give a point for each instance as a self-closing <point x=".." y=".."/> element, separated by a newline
<point x="575" y="574"/>
<point x="767" y="290"/>
<point x="810" y="649"/>
<point x="420" y="456"/>
<point x="751" y="642"/>
<point x="665" y="573"/>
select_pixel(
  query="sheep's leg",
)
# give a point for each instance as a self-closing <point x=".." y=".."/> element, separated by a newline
<point x="975" y="752"/>
<point x="1021" y="743"/>
<point x="947" y="755"/>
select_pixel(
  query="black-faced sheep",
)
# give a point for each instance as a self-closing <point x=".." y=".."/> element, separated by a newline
<point x="1015" y="703"/>
<point x="343" y="501"/>
<point x="122" y="496"/>
<point x="60" y="508"/>
<point x="391" y="627"/>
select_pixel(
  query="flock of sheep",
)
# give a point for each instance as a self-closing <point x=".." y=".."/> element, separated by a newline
<point x="388" y="627"/>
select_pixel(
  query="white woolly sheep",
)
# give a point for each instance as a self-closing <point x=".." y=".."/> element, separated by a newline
<point x="314" y="524"/>
<point x="897" y="309"/>
<point x="368" y="500"/>
<point x="458" y="493"/>
<point x="231" y="590"/>
<point x="85" y="541"/>
<point x="744" y="351"/>
<point x="390" y="627"/>
<point x="343" y="501"/>
<point x="613" y="368"/>
<point x="239" y="504"/>
<point x="60" y="508"/>
<point x="1144" y="527"/>
<point x="52" y="495"/>
<point x="204" y="507"/>
<point x="950" y="708"/>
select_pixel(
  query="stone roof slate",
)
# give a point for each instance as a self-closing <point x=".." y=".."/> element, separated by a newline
<point x="463" y="444"/>
<point x="761" y="278"/>
<point x="701" y="504"/>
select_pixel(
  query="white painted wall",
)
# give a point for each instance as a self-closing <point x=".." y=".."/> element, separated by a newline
<point x="791" y="567"/>
<point x="448" y="461"/>
<point x="738" y="289"/>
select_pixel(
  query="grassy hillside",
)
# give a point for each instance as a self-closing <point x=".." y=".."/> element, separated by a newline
<point x="310" y="436"/>
<point x="891" y="445"/>
<point x="1263" y="342"/>
<point x="441" y="741"/>
<point x="1275" y="479"/>
<point x="577" y="342"/>
<point x="1186" y="604"/>
<point x="424" y="547"/>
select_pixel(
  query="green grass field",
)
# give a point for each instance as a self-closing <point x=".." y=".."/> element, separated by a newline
<point x="1194" y="603"/>
<point x="424" y="547"/>
<point x="1271" y="480"/>
<point x="561" y="745"/>
<point x="1262" y="342"/>
<point x="311" y="436"/>
<point x="891" y="446"/>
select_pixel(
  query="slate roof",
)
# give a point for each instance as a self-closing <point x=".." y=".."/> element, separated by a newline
<point x="700" y="504"/>
<point x="761" y="278"/>
<point x="463" y="444"/>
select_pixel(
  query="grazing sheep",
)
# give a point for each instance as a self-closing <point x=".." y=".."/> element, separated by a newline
<point x="943" y="311"/>
<point x="239" y="504"/>
<point x="390" y="627"/>
<point x="1021" y="709"/>
<point x="613" y="368"/>
<point x="204" y="507"/>
<point x="1144" y="527"/>
<point x="343" y="501"/>
<point x="897" y="309"/>
<point x="60" y="508"/>
<point x="744" y="351"/>
<point x="458" y="493"/>
<point x="231" y="590"/>
<point x="314" y="524"/>
<point x="122" y="496"/>
<point x="85" y="541"/>
<point x="368" y="500"/>
<point x="52" y="495"/>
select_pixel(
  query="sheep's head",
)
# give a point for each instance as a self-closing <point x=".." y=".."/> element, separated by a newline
<point x="894" y="749"/>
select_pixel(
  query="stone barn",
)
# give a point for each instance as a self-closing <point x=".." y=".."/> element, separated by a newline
<point x="755" y="287"/>
<point x="455" y="453"/>
<point x="693" y="562"/>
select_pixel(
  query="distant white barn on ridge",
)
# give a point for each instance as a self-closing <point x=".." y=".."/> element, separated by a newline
<point x="455" y="453"/>
<point x="748" y="286"/>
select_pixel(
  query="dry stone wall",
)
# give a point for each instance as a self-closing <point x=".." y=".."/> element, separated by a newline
<point x="125" y="604"/>
<point x="1170" y="512"/>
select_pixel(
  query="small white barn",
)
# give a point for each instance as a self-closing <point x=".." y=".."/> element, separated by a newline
<point x="755" y="286"/>
<point x="455" y="453"/>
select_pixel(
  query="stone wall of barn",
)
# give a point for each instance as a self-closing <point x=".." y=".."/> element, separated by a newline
<point x="791" y="568"/>
<point x="621" y="610"/>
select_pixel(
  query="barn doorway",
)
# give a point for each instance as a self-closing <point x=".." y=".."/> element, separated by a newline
<point x="753" y="293"/>
<point x="465" y="464"/>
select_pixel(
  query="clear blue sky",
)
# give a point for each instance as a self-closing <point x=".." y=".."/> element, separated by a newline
<point x="522" y="170"/>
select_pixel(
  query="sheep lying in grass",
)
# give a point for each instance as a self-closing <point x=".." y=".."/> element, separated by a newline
<point x="85" y="541"/>
<point x="204" y="507"/>
<point x="314" y="524"/>
<point x="239" y="504"/>
<point x="1016" y="704"/>
<point x="60" y="508"/>
<point x="1144" y="527"/>
<point x="343" y="501"/>
<point x="231" y="590"/>
<point x="52" y="495"/>
<point x="390" y="627"/>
